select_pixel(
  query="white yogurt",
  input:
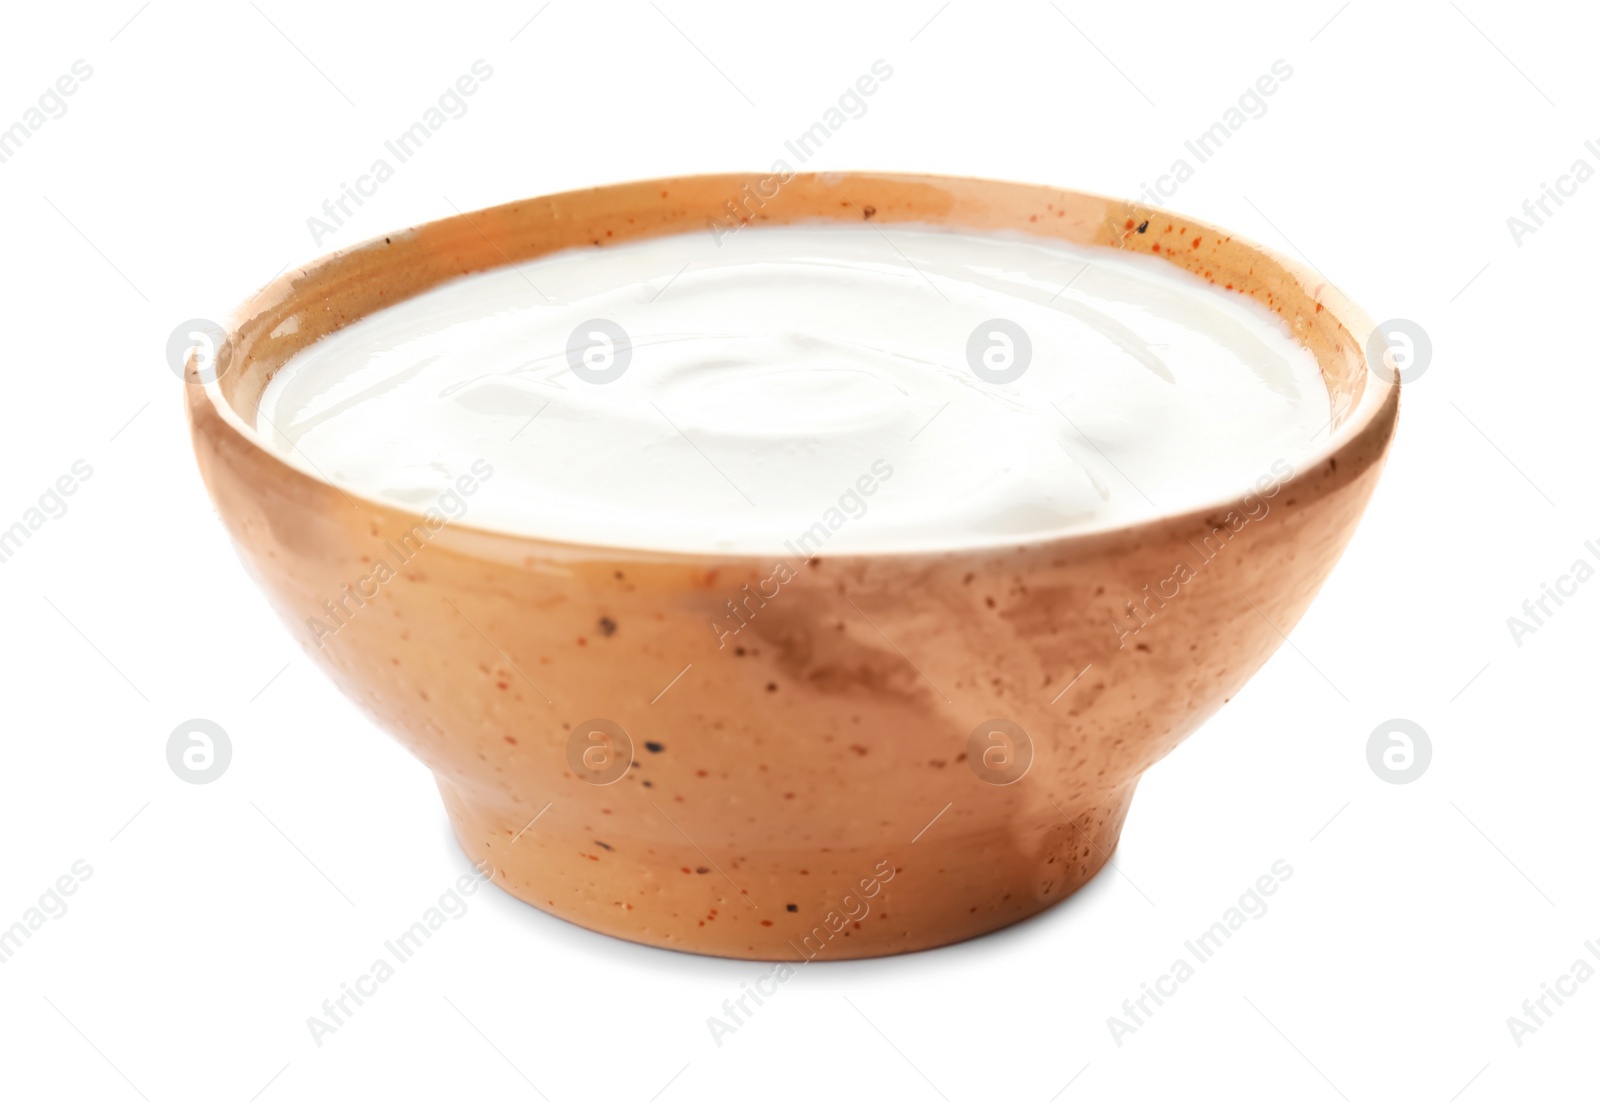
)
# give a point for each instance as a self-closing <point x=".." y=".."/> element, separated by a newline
<point x="807" y="389"/>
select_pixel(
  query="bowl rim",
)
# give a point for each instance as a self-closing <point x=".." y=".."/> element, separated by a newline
<point x="1375" y="409"/>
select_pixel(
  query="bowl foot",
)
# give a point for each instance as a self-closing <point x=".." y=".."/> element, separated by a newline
<point x="793" y="904"/>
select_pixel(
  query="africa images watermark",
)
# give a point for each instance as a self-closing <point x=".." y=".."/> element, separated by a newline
<point x="853" y="909"/>
<point x="52" y="104"/>
<point x="451" y="104"/>
<point x="199" y="751"/>
<point x="1536" y="1011"/>
<point x="50" y="505"/>
<point x="1251" y="906"/>
<point x="1536" y="611"/>
<point x="451" y="506"/>
<point x="851" y="506"/>
<point x="450" y="906"/>
<point x="1252" y="508"/>
<point x="1536" y="211"/>
<point x="51" y="906"/>
<point x="1251" y="104"/>
<point x="851" y="104"/>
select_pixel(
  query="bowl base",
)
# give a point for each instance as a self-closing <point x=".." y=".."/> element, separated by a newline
<point x="793" y="904"/>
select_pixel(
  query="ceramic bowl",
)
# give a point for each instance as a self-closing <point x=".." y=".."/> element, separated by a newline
<point x="901" y="750"/>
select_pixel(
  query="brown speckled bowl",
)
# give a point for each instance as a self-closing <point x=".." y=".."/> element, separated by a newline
<point x="835" y="785"/>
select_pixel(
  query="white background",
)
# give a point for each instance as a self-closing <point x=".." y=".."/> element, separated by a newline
<point x="219" y="917"/>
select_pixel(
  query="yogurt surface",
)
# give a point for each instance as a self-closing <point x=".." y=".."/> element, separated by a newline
<point x="807" y="389"/>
